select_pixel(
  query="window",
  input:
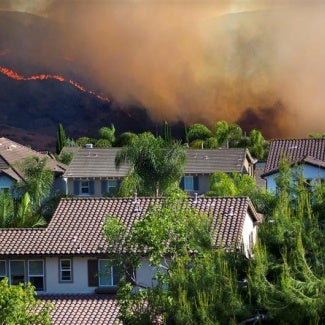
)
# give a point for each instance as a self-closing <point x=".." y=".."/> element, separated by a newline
<point x="3" y="272"/>
<point x="112" y="186"/>
<point x="65" y="270"/>
<point x="108" y="275"/>
<point x="17" y="272"/>
<point x="36" y="274"/>
<point x="188" y="183"/>
<point x="84" y="187"/>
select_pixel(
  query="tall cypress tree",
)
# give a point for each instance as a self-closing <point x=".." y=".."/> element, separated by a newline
<point x="61" y="139"/>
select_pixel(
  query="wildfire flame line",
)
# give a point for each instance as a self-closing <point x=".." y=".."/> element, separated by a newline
<point x="14" y="75"/>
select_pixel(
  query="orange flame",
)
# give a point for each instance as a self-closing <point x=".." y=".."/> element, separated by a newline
<point x="14" y="75"/>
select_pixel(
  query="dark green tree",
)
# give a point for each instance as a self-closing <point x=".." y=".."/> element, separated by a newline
<point x="61" y="139"/>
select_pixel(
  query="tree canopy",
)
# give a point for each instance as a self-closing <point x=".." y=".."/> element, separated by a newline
<point x="18" y="305"/>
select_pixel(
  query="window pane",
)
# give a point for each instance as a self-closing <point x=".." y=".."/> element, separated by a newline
<point x="17" y="270"/>
<point x="112" y="183"/>
<point x="35" y="267"/>
<point x="37" y="282"/>
<point x="188" y="183"/>
<point x="17" y="267"/>
<point x="104" y="273"/>
<point x="65" y="270"/>
<point x="2" y="268"/>
<point x="65" y="264"/>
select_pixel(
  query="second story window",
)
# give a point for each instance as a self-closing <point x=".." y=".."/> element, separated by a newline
<point x="188" y="183"/>
<point x="108" y="275"/>
<point x="65" y="270"/>
<point x="17" y="272"/>
<point x="84" y="188"/>
<point x="36" y="274"/>
<point x="112" y="185"/>
<point x="3" y="272"/>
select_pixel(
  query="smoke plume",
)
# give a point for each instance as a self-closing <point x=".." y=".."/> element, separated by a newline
<point x="197" y="61"/>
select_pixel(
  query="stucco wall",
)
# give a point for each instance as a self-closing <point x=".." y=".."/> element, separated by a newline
<point x="79" y="282"/>
<point x="249" y="231"/>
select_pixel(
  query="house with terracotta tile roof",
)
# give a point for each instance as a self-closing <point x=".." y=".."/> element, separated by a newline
<point x="92" y="171"/>
<point x="305" y="156"/>
<point x="12" y="153"/>
<point x="68" y="262"/>
<point x="69" y="256"/>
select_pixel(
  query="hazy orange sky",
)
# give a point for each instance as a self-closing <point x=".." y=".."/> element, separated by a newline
<point x="202" y="60"/>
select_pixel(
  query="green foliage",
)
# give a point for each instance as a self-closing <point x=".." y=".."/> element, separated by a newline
<point x="236" y="184"/>
<point x="228" y="135"/>
<point x="82" y="141"/>
<point x="287" y="274"/>
<point x="6" y="209"/>
<point x="155" y="164"/>
<point x="103" y="143"/>
<point x="198" y="131"/>
<point x="257" y="144"/>
<point x="107" y="133"/>
<point x="65" y="157"/>
<point x="194" y="283"/>
<point x="125" y="139"/>
<point x="221" y="184"/>
<point x="24" y="207"/>
<point x="18" y="305"/>
<point x="38" y="179"/>
<point x="60" y="139"/>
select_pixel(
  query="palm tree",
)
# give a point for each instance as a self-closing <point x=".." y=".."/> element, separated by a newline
<point x="155" y="164"/>
<point x="38" y="180"/>
<point x="25" y="215"/>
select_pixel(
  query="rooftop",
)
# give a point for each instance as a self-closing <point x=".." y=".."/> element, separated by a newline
<point x="76" y="226"/>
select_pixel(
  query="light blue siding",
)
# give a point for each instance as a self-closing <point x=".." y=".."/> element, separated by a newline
<point x="6" y="181"/>
<point x="307" y="171"/>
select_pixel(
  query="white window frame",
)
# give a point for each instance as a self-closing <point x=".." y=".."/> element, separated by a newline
<point x="109" y="273"/>
<point x="188" y="183"/>
<point x="61" y="270"/>
<point x="39" y="275"/>
<point x="3" y="275"/>
<point x="83" y="186"/>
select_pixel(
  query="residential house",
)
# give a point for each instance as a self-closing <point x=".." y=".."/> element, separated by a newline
<point x="70" y="257"/>
<point x="12" y="153"/>
<point x="202" y="163"/>
<point x="92" y="172"/>
<point x="305" y="156"/>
